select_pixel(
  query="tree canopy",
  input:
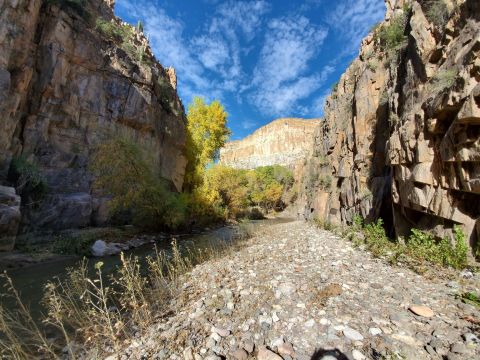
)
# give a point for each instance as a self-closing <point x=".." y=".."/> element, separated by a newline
<point x="207" y="132"/>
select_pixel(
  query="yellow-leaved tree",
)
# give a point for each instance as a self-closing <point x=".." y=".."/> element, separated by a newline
<point x="206" y="133"/>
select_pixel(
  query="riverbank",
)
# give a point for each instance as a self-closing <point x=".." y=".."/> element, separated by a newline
<point x="294" y="289"/>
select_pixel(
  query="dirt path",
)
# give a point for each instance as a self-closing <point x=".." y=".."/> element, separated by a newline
<point x="296" y="289"/>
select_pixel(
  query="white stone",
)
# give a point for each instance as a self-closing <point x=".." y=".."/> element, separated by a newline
<point x="357" y="355"/>
<point x="309" y="323"/>
<point x="352" y="334"/>
<point x="374" y="331"/>
<point x="275" y="317"/>
<point x="324" y="321"/>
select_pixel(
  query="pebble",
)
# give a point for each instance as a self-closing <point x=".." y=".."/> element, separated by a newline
<point x="248" y="346"/>
<point x="421" y="310"/>
<point x="215" y="337"/>
<point x="188" y="353"/>
<point x="352" y="334"/>
<point x="309" y="323"/>
<point x="357" y="355"/>
<point x="374" y="331"/>
<point x="239" y="354"/>
<point x="275" y="317"/>
<point x="220" y="331"/>
<point x="459" y="348"/>
<point x="226" y="312"/>
<point x="286" y="349"/>
<point x="266" y="354"/>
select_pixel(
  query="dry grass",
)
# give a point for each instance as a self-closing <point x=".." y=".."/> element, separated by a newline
<point x="86" y="309"/>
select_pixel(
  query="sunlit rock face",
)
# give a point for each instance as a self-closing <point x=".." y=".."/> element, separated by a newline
<point x="284" y="142"/>
<point x="401" y="136"/>
<point x="64" y="88"/>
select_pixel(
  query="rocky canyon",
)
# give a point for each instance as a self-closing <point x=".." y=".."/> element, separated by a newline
<point x="72" y="76"/>
<point x="131" y="228"/>
<point x="400" y="136"/>
<point x="285" y="142"/>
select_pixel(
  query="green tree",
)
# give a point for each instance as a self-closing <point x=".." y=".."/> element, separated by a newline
<point x="206" y="133"/>
<point x="124" y="172"/>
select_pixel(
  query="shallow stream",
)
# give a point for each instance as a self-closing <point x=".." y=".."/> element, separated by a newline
<point x="30" y="281"/>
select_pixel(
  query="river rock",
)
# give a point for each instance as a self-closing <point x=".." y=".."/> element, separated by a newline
<point x="239" y="354"/>
<point x="352" y="334"/>
<point x="421" y="310"/>
<point x="10" y="217"/>
<point x="265" y="354"/>
<point x="101" y="248"/>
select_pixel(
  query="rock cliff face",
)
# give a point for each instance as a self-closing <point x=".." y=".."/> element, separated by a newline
<point x="66" y="86"/>
<point x="284" y="142"/>
<point x="401" y="134"/>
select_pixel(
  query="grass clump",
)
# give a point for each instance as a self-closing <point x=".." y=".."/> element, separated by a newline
<point x="470" y="298"/>
<point x="437" y="12"/>
<point x="124" y="34"/>
<point x="392" y="36"/>
<point x="20" y="336"/>
<point x="325" y="182"/>
<point x="444" y="79"/>
<point x="26" y="176"/>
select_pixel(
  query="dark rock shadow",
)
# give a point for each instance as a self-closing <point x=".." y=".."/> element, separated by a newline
<point x="320" y="353"/>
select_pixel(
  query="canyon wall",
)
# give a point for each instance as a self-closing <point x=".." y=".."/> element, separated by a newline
<point x="401" y="136"/>
<point x="284" y="142"/>
<point x="66" y="86"/>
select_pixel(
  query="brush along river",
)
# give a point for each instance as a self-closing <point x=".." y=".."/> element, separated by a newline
<point x="30" y="281"/>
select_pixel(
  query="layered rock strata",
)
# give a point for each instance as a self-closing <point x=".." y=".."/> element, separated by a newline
<point x="284" y="142"/>
<point x="401" y="136"/>
<point x="66" y="86"/>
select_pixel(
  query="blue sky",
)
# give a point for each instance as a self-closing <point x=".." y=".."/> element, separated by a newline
<point x="263" y="59"/>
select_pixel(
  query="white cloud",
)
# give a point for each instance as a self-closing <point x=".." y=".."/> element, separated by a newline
<point x="247" y="124"/>
<point x="168" y="43"/>
<point x="220" y="49"/>
<point x="209" y="64"/>
<point x="281" y="76"/>
<point x="352" y="19"/>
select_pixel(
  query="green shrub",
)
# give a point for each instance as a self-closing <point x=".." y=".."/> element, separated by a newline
<point x="376" y="239"/>
<point x="140" y="26"/>
<point x="420" y="246"/>
<point x="372" y="65"/>
<point x="470" y="298"/>
<point x="437" y="12"/>
<point x="72" y="245"/>
<point x="325" y="182"/>
<point x="423" y="245"/>
<point x="112" y="30"/>
<point x="27" y="177"/>
<point x="444" y="79"/>
<point x="324" y="224"/>
<point x="458" y="258"/>
<point x="357" y="222"/>
<point x="124" y="172"/>
<point x="392" y="36"/>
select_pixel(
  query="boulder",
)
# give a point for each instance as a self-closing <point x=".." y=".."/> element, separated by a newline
<point x="10" y="217"/>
